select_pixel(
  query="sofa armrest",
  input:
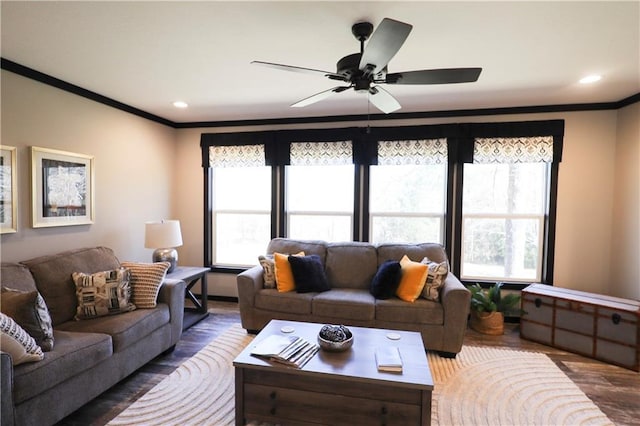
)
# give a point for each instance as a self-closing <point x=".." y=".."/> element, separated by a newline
<point x="455" y="300"/>
<point x="172" y="293"/>
<point x="249" y="283"/>
<point x="6" y="389"/>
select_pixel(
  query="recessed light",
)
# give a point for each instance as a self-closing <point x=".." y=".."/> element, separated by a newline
<point x="590" y="79"/>
<point x="180" y="104"/>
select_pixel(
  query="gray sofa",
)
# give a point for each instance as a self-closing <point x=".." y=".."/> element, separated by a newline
<point x="89" y="356"/>
<point x="350" y="268"/>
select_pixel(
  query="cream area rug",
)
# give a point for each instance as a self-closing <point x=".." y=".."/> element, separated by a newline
<point x="489" y="386"/>
<point x="481" y="386"/>
<point x="198" y="392"/>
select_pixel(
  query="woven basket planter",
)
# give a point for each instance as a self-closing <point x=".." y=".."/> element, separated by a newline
<point x="487" y="322"/>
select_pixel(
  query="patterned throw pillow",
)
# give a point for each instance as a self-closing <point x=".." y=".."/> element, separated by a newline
<point x="102" y="293"/>
<point x="146" y="279"/>
<point x="29" y="310"/>
<point x="268" y="270"/>
<point x="435" y="279"/>
<point x="17" y="342"/>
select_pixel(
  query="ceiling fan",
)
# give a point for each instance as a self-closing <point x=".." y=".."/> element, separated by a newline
<point x="364" y="71"/>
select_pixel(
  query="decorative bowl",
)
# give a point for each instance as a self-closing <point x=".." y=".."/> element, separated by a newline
<point x="336" y="346"/>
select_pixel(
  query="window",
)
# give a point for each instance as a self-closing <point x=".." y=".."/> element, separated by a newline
<point x="320" y="202"/>
<point x="504" y="212"/>
<point x="320" y="191"/>
<point x="503" y="221"/>
<point x="408" y="191"/>
<point x="241" y="205"/>
<point x="486" y="191"/>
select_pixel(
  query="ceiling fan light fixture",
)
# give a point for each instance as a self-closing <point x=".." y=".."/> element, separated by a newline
<point x="364" y="70"/>
<point x="590" y="79"/>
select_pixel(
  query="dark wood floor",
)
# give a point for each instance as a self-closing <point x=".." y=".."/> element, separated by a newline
<point x="615" y="390"/>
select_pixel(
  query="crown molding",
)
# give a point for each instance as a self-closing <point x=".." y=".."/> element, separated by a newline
<point x="33" y="74"/>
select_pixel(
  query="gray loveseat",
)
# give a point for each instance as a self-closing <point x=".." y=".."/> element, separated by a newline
<point x="350" y="268"/>
<point x="89" y="356"/>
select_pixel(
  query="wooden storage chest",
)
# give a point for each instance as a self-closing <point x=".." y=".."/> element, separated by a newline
<point x="601" y="327"/>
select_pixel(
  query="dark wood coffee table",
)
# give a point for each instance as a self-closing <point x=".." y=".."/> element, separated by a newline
<point x="343" y="388"/>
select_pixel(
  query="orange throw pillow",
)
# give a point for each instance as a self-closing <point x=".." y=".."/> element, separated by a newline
<point x="283" y="273"/>
<point x="413" y="279"/>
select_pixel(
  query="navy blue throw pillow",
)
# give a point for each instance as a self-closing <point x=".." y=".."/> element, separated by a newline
<point x="308" y="274"/>
<point x="386" y="281"/>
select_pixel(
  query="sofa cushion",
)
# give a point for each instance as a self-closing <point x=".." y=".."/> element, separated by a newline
<point x="72" y="354"/>
<point x="308" y="273"/>
<point x="52" y="275"/>
<point x="124" y="329"/>
<point x="351" y="265"/>
<point x="422" y="311"/>
<point x="146" y="279"/>
<point x="415" y="252"/>
<point x="344" y="304"/>
<point x="289" y="246"/>
<point x="103" y="293"/>
<point x="17" y="276"/>
<point x="385" y="282"/>
<point x="15" y="341"/>
<point x="435" y="279"/>
<point x="289" y="302"/>
<point x="29" y="310"/>
<point x="412" y="280"/>
<point x="268" y="270"/>
<point x="284" y="276"/>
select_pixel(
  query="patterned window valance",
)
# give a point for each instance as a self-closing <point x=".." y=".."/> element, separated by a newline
<point x="416" y="152"/>
<point x="236" y="156"/>
<point x="537" y="149"/>
<point x="321" y="153"/>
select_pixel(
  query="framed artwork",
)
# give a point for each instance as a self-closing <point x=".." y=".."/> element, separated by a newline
<point x="61" y="188"/>
<point x="8" y="190"/>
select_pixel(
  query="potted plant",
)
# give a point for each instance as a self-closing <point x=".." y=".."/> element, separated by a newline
<point x="488" y="308"/>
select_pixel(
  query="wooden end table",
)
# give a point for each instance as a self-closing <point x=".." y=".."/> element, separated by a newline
<point x="191" y="275"/>
<point x="343" y="388"/>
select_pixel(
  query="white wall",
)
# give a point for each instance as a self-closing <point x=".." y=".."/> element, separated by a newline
<point x="585" y="202"/>
<point x="625" y="241"/>
<point x="133" y="168"/>
<point x="585" y="197"/>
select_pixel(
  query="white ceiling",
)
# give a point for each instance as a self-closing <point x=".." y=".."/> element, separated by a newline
<point x="148" y="54"/>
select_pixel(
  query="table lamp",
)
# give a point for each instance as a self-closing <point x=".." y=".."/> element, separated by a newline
<point x="163" y="236"/>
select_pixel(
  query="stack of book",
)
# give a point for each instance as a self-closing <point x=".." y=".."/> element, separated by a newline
<point x="293" y="351"/>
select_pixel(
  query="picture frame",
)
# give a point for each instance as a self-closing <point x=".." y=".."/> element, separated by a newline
<point x="62" y="188"/>
<point x="8" y="190"/>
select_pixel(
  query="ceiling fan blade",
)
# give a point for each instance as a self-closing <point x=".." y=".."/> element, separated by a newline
<point x="300" y="70"/>
<point x="383" y="100"/>
<point x="384" y="43"/>
<point x="319" y="96"/>
<point x="439" y="76"/>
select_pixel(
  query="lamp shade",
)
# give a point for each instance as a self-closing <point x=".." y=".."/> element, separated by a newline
<point x="163" y="234"/>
